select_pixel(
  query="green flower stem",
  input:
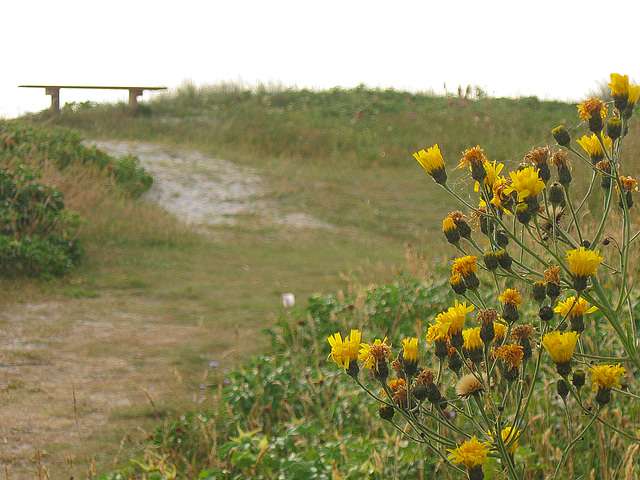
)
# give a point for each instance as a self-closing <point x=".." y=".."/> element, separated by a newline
<point x="573" y="443"/>
<point x="379" y="399"/>
<point x="558" y="258"/>
<point x="408" y="435"/>
<point x="475" y="245"/>
<point x="605" y="214"/>
<point x="608" y="311"/>
<point x="604" y="148"/>
<point x="480" y="300"/>
<point x="578" y="397"/>
<point x="443" y="420"/>
<point x="520" y="412"/>
<point x="626" y="243"/>
<point x="594" y="178"/>
<point x="601" y="358"/>
<point x="459" y="198"/>
<point x="573" y="215"/>
<point x="520" y="243"/>
<point x="471" y="418"/>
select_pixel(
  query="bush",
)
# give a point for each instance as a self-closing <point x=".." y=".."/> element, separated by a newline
<point x="36" y="231"/>
<point x="65" y="147"/>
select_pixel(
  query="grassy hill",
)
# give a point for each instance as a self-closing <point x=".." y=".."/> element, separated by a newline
<point x="341" y="156"/>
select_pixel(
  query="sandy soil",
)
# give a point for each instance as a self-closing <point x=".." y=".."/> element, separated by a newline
<point x="73" y="388"/>
<point x="200" y="189"/>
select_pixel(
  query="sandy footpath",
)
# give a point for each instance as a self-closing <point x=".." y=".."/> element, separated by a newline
<point x="200" y="189"/>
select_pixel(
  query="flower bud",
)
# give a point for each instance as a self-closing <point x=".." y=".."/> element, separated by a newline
<point x="546" y="313"/>
<point x="614" y="128"/>
<point x="487" y="332"/>
<point x="504" y="259"/>
<point x="490" y="260"/>
<point x="603" y="396"/>
<point x="543" y="171"/>
<point x="502" y="239"/>
<point x="419" y="392"/>
<point x="561" y="136"/>
<point x="578" y="379"/>
<point x="564" y="175"/>
<point x="386" y="412"/>
<point x="455" y="362"/>
<point x="463" y="228"/>
<point x="441" y="348"/>
<point x="595" y="123"/>
<point x="523" y="213"/>
<point x="471" y="280"/>
<point x="457" y="284"/>
<point x="556" y="194"/>
<point x="510" y="313"/>
<point x="539" y="291"/>
<point x="553" y="290"/>
<point x="450" y="231"/>
<point x="478" y="172"/>
<point x="433" y="394"/>
<point x="563" y="389"/>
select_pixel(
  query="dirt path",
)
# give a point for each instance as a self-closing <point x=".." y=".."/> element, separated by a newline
<point x="80" y="376"/>
<point x="200" y="189"/>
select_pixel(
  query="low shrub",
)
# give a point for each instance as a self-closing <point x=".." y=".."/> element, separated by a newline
<point x="19" y="141"/>
<point x="36" y="231"/>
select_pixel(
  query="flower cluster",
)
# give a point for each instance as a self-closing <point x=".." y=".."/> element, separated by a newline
<point x="529" y="268"/>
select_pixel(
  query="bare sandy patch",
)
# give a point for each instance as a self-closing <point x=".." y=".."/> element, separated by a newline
<point x="197" y="188"/>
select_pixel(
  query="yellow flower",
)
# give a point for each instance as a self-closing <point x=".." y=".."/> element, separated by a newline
<point x="511" y="296"/>
<point x="572" y="308"/>
<point x="448" y="224"/>
<point x="344" y="352"/>
<point x="455" y="317"/>
<point x="526" y="183"/>
<point x="500" y="330"/>
<point x="560" y="345"/>
<point x="471" y="453"/>
<point x="582" y="262"/>
<point x="500" y="196"/>
<point x="410" y="349"/>
<point x="370" y="353"/>
<point x="592" y="107"/>
<point x="472" y="340"/>
<point x="508" y="435"/>
<point x="511" y="354"/>
<point x="437" y="331"/>
<point x="634" y="94"/>
<point x="464" y="265"/>
<point x="606" y="376"/>
<point x="432" y="161"/>
<point x="619" y="85"/>
<point x="593" y="147"/>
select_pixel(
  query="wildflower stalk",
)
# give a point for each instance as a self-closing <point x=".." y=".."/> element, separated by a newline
<point x="574" y="216"/>
<point x="573" y="443"/>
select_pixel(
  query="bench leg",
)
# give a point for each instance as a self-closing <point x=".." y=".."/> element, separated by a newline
<point x="55" y="99"/>
<point x="134" y="93"/>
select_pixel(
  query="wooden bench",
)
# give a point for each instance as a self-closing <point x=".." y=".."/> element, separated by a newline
<point x="54" y="91"/>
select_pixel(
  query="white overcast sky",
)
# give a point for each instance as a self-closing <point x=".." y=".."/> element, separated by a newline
<point x="549" y="48"/>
